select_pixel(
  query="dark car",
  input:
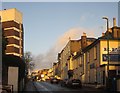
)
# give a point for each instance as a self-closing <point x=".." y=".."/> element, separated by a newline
<point x="54" y="80"/>
<point x="74" y="83"/>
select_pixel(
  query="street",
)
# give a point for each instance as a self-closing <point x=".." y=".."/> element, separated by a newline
<point x="60" y="47"/>
<point x="41" y="87"/>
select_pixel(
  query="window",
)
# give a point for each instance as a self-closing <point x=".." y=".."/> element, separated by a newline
<point x="88" y="56"/>
<point x="118" y="72"/>
<point x="92" y="66"/>
<point x="82" y="59"/>
<point x="95" y="52"/>
<point x="80" y="62"/>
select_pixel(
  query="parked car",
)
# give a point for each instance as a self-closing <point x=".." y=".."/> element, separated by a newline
<point x="54" y="80"/>
<point x="76" y="83"/>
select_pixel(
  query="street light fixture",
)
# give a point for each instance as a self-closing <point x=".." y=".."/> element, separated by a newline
<point x="106" y="18"/>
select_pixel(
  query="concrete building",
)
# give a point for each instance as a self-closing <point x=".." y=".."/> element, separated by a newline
<point x="13" y="65"/>
<point x="12" y="27"/>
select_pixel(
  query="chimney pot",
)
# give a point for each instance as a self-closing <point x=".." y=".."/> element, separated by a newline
<point x="114" y="22"/>
<point x="84" y="34"/>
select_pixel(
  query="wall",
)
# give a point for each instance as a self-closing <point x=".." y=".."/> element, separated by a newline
<point x="118" y="85"/>
<point x="14" y="14"/>
<point x="13" y="77"/>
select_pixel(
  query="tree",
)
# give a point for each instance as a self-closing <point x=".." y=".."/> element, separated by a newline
<point x="29" y="60"/>
<point x="28" y="57"/>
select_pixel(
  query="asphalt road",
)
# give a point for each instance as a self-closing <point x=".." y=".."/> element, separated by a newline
<point x="47" y="87"/>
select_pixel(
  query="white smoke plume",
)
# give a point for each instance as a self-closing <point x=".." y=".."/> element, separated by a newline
<point x="46" y="60"/>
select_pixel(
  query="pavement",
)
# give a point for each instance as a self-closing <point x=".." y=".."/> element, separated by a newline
<point x="94" y="86"/>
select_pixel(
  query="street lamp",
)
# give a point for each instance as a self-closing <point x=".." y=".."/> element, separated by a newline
<point x="107" y="22"/>
<point x="106" y="18"/>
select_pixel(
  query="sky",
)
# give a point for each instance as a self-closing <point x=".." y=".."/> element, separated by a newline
<point x="48" y="25"/>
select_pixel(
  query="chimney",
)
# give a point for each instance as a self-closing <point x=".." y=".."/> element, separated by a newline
<point x="103" y="34"/>
<point x="114" y="22"/>
<point x="114" y="29"/>
<point x="84" y="34"/>
<point x="69" y="38"/>
<point x="83" y="40"/>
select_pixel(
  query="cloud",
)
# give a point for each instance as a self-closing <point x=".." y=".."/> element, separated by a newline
<point x="73" y="33"/>
<point x="46" y="60"/>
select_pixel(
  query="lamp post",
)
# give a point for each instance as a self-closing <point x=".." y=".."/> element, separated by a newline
<point x="106" y="18"/>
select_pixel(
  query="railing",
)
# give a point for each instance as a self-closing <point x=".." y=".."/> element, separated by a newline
<point x="6" y="88"/>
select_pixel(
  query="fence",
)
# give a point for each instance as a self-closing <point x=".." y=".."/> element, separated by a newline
<point x="6" y="88"/>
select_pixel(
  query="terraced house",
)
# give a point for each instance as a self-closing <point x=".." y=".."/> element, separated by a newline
<point x="89" y="61"/>
<point x="76" y="60"/>
<point x="96" y="58"/>
<point x="66" y="55"/>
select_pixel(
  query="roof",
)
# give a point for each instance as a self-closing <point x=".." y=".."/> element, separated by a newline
<point x="106" y="37"/>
